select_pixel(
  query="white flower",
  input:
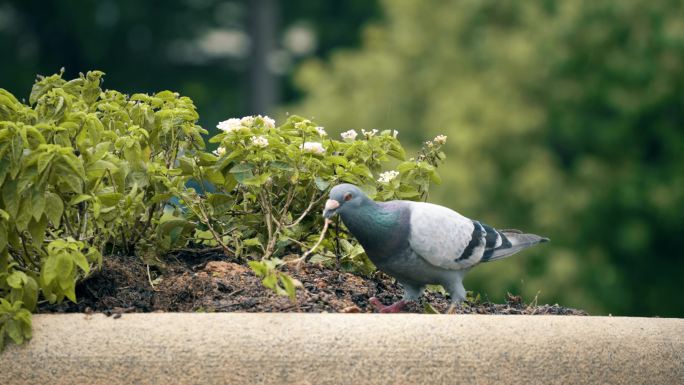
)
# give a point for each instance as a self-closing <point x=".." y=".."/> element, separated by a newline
<point x="259" y="141"/>
<point x="313" y="147"/>
<point x="370" y="133"/>
<point x="219" y="151"/>
<point x="229" y="125"/>
<point x="247" y="121"/>
<point x="395" y="133"/>
<point x="321" y="131"/>
<point x="349" y="135"/>
<point x="387" y="176"/>
<point x="268" y="122"/>
<point x="440" y="139"/>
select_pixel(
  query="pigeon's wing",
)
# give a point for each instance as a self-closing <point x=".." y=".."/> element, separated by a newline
<point x="445" y="238"/>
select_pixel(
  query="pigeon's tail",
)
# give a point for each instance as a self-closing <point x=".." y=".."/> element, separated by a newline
<point x="512" y="241"/>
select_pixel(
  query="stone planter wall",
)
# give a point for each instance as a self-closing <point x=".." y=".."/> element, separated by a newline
<point x="236" y="348"/>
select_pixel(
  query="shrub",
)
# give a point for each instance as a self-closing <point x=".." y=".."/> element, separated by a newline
<point x="87" y="173"/>
<point x="83" y="172"/>
<point x="269" y="179"/>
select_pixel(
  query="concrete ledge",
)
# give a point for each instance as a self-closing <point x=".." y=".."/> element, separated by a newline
<point x="238" y="348"/>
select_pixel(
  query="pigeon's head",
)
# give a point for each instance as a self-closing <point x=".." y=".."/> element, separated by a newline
<point x="343" y="197"/>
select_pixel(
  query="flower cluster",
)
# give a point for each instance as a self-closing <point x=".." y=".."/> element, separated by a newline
<point x="440" y="139"/>
<point x="369" y="134"/>
<point x="234" y="124"/>
<point x="388" y="176"/>
<point x="219" y="151"/>
<point x="260" y="141"/>
<point x="313" y="147"/>
<point x="321" y="131"/>
<point x="268" y="122"/>
<point x="349" y="135"/>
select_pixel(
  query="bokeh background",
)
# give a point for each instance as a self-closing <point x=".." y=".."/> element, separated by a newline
<point x="564" y="118"/>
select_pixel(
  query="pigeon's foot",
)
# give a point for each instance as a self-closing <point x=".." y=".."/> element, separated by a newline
<point x="451" y="309"/>
<point x="393" y="308"/>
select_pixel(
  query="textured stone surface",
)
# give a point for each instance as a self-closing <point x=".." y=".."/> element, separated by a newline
<point x="234" y="348"/>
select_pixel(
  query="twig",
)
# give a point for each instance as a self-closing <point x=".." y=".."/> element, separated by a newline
<point x="306" y="211"/>
<point x="66" y="222"/>
<point x="268" y="217"/>
<point x="337" y="240"/>
<point x="149" y="278"/>
<point x="288" y="200"/>
<point x="305" y="257"/>
<point x="216" y="236"/>
<point x="84" y="225"/>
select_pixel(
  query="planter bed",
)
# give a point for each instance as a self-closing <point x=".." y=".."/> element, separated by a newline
<point x="206" y="281"/>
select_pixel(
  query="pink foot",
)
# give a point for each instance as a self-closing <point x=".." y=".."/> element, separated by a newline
<point x="393" y="308"/>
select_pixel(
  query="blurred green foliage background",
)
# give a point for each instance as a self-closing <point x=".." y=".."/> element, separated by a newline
<point x="564" y="118"/>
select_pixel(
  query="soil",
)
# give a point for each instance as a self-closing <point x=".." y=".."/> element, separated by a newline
<point x="208" y="281"/>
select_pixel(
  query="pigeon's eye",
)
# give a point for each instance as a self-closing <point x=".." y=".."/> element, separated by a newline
<point x="347" y="197"/>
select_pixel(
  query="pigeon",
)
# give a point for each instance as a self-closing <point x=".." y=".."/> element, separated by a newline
<point x="421" y="243"/>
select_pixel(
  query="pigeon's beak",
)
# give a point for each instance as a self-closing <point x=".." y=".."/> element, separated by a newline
<point x="331" y="206"/>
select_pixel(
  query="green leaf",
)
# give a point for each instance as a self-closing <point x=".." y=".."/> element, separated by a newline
<point x="252" y="242"/>
<point x="281" y="166"/>
<point x="290" y="284"/>
<point x="257" y="180"/>
<point x="16" y="280"/>
<point x="81" y="261"/>
<point x="13" y="330"/>
<point x="271" y="282"/>
<point x="57" y="266"/>
<point x="30" y="297"/>
<point x="38" y="203"/>
<point x="72" y="182"/>
<point x="37" y="230"/>
<point x="70" y="291"/>
<point x="241" y="168"/>
<point x="258" y="267"/>
<point x="428" y="309"/>
<point x="362" y="169"/>
<point x="3" y="236"/>
<point x="10" y="197"/>
<point x="53" y="208"/>
<point x="44" y="161"/>
<point x="435" y="178"/>
<point x="240" y="177"/>
<point x="94" y="256"/>
<point x="321" y="184"/>
<point x="109" y="199"/>
<point x="406" y="166"/>
<point x="338" y="160"/>
<point x="79" y="198"/>
<point x="171" y="231"/>
<point x="98" y="168"/>
<point x="187" y="165"/>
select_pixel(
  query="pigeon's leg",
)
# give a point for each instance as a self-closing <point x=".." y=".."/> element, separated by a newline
<point x="411" y="293"/>
<point x="457" y="292"/>
<point x="393" y="308"/>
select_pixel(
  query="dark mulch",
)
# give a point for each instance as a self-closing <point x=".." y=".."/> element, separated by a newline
<point x="204" y="280"/>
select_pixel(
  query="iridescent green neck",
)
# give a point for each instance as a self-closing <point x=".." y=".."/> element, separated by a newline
<point x="377" y="227"/>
